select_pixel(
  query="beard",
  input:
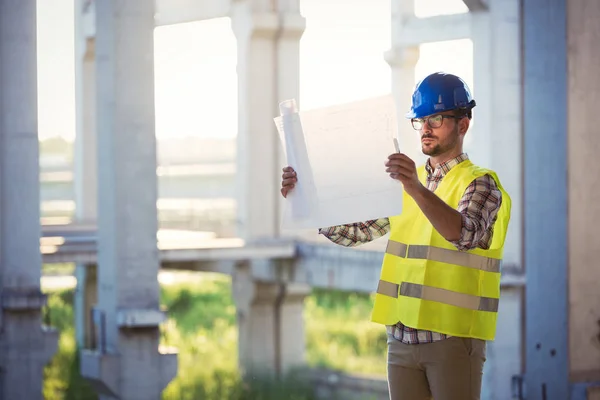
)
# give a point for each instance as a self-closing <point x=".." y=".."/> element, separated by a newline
<point x="432" y="151"/>
<point x="441" y="148"/>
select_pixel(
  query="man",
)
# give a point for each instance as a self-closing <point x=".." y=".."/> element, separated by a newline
<point x="440" y="282"/>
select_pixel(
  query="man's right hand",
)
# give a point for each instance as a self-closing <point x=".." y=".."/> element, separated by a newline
<point x="289" y="180"/>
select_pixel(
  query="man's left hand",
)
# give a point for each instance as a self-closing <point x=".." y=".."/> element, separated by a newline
<point x="402" y="168"/>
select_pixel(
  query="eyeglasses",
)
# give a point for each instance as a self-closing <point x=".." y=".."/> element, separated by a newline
<point x="434" y="121"/>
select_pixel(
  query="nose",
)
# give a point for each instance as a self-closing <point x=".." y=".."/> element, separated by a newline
<point x="426" y="127"/>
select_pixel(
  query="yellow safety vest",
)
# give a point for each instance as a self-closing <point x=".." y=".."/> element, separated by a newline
<point x="426" y="283"/>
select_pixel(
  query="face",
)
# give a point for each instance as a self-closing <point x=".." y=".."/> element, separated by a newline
<point x="440" y="133"/>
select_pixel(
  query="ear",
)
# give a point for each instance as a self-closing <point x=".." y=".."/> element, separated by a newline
<point x="463" y="125"/>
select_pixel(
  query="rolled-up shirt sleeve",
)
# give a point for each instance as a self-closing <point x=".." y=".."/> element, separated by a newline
<point x="351" y="235"/>
<point x="479" y="208"/>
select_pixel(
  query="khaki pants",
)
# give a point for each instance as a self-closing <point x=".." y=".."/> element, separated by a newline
<point x="450" y="369"/>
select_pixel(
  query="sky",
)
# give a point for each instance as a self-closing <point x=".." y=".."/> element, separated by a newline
<point x="341" y="60"/>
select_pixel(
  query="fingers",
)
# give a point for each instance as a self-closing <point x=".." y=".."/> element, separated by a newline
<point x="399" y="173"/>
<point x="400" y="167"/>
<point x="399" y="159"/>
<point x="399" y="156"/>
<point x="289" y="178"/>
<point x="288" y="181"/>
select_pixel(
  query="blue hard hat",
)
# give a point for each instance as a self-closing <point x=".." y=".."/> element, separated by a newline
<point x="440" y="92"/>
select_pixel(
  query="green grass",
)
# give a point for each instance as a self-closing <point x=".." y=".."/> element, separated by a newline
<point x="339" y="334"/>
<point x="202" y="326"/>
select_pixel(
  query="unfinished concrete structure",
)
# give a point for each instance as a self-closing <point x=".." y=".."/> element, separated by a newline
<point x="268" y="289"/>
<point x="535" y="82"/>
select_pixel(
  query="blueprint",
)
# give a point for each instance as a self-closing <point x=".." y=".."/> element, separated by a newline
<point x="339" y="153"/>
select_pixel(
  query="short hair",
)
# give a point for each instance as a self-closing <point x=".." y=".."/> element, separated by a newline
<point x="461" y="112"/>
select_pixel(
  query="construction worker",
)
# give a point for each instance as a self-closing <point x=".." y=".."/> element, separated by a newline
<point x="439" y="286"/>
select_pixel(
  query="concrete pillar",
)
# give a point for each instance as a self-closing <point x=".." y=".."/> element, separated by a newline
<point x="496" y="142"/>
<point x="271" y="324"/>
<point x="402" y="60"/>
<point x="268" y="36"/>
<point x="497" y="124"/>
<point x="85" y="164"/>
<point x="86" y="297"/>
<point x="545" y="199"/>
<point x="271" y="334"/>
<point x="127" y="362"/>
<point x="583" y="146"/>
<point x="25" y="347"/>
<point x="562" y="212"/>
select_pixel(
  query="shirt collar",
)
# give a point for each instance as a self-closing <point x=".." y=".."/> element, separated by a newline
<point x="446" y="166"/>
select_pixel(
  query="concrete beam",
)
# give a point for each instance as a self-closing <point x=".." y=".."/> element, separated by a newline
<point x="416" y="31"/>
<point x="231" y="253"/>
<point x="476" y="5"/>
<point x="168" y="12"/>
<point x="79" y="245"/>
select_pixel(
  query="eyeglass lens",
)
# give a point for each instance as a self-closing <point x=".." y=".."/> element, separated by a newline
<point x="434" y="122"/>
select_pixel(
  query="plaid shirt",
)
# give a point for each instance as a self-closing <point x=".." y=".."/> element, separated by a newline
<point x="478" y="207"/>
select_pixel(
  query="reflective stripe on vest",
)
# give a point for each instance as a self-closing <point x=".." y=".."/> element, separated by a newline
<point x="423" y="252"/>
<point x="437" y="294"/>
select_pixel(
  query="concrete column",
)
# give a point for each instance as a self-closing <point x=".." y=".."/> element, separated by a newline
<point x="271" y="334"/>
<point x="127" y="363"/>
<point x="496" y="142"/>
<point x="25" y="347"/>
<point x="271" y="324"/>
<point x="402" y="60"/>
<point x="583" y="177"/>
<point x="268" y="36"/>
<point x="86" y="297"/>
<point x="545" y="206"/>
<point x="496" y="138"/>
<point x="562" y="213"/>
<point x="85" y="165"/>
